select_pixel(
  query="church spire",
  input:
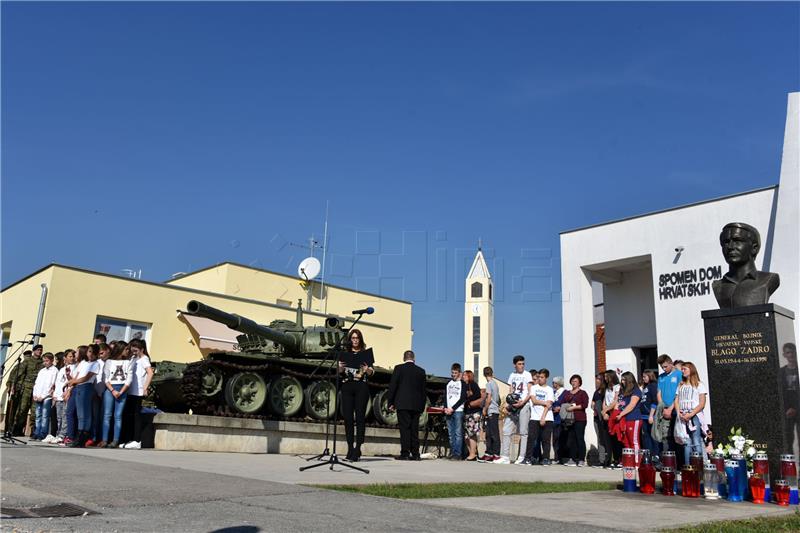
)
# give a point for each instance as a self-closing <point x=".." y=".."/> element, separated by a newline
<point x="478" y="317"/>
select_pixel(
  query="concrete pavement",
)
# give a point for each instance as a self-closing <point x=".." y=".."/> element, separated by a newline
<point x="148" y="490"/>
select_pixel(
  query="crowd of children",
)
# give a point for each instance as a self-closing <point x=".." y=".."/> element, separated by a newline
<point x="551" y="420"/>
<point x="97" y="390"/>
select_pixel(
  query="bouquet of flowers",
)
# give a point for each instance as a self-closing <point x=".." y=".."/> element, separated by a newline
<point x="738" y="443"/>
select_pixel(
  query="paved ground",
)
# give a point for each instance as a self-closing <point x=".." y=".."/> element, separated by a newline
<point x="150" y="490"/>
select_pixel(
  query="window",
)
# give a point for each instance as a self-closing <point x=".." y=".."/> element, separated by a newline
<point x="121" y="330"/>
<point x="490" y="292"/>
<point x="475" y="363"/>
<point x="6" y="338"/>
<point x="477" y="290"/>
<point x="476" y="334"/>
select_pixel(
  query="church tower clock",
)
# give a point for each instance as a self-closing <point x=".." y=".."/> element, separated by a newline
<point x="479" y="318"/>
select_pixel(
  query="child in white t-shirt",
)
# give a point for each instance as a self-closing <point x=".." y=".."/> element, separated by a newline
<point x="690" y="401"/>
<point x="59" y="396"/>
<point x="140" y="382"/>
<point x="540" y="428"/>
<point x="43" y="396"/>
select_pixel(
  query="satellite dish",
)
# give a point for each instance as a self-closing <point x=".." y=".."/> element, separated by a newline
<point x="309" y="268"/>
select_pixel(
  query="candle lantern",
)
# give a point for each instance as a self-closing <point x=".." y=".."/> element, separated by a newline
<point x="690" y="486"/>
<point x="647" y="474"/>
<point x="732" y="473"/>
<point x="629" y="470"/>
<point x="711" y="482"/>
<point x="668" y="459"/>
<point x="667" y="481"/>
<point x="742" y="477"/>
<point x="719" y="461"/>
<point x="757" y="487"/>
<point x="781" y="490"/>
<point x="789" y="473"/>
<point x="761" y="466"/>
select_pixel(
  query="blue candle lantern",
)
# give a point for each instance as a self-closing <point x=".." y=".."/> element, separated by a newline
<point x="744" y="488"/>
<point x="732" y="470"/>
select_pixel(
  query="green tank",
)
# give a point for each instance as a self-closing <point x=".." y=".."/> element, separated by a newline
<point x="280" y="371"/>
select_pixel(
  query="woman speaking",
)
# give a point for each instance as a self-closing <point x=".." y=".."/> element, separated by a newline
<point x="355" y="367"/>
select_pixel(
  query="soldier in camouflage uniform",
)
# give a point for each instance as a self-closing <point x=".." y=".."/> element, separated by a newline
<point x="22" y="382"/>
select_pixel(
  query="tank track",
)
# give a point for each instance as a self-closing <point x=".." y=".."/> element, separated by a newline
<point x="203" y="405"/>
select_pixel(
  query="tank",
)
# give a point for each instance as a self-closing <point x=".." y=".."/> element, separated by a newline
<point x="281" y="371"/>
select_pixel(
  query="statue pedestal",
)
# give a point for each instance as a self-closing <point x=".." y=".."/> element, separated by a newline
<point x="750" y="384"/>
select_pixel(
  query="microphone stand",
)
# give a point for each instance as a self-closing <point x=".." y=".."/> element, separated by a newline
<point x="326" y="452"/>
<point x="334" y="459"/>
<point x="10" y="420"/>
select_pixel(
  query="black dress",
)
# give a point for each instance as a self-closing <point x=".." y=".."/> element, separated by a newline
<point x="355" y="396"/>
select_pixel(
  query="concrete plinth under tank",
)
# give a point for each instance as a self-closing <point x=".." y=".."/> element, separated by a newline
<point x="220" y="434"/>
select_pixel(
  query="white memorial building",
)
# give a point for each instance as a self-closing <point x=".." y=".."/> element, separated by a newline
<point x="656" y="272"/>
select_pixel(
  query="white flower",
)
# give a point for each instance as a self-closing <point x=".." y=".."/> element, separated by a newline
<point x="751" y="451"/>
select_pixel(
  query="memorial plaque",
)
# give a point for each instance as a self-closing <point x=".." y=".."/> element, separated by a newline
<point x="752" y="376"/>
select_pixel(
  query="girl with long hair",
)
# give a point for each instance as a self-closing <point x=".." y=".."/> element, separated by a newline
<point x="117" y="379"/>
<point x="140" y="381"/>
<point x="610" y="398"/>
<point x="650" y="391"/>
<point x="83" y="390"/>
<point x="689" y="404"/>
<point x="630" y="396"/>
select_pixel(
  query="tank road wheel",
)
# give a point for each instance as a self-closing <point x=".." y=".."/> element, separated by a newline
<point x="316" y="400"/>
<point x="423" y="418"/>
<point x="285" y="397"/>
<point x="380" y="409"/>
<point x="245" y="392"/>
<point x="211" y="382"/>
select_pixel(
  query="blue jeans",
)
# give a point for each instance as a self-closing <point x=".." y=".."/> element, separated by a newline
<point x="72" y="417"/>
<point x="113" y="406"/>
<point x="695" y="441"/>
<point x="43" y="418"/>
<point x="455" y="428"/>
<point x="83" y="401"/>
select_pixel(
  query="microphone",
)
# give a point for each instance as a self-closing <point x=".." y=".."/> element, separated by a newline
<point x="38" y="334"/>
<point x="365" y="311"/>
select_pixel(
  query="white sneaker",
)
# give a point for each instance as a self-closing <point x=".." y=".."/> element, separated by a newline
<point x="581" y="463"/>
<point x="58" y="440"/>
<point x="47" y="440"/>
<point x="502" y="461"/>
<point x="133" y="445"/>
<point x="519" y="460"/>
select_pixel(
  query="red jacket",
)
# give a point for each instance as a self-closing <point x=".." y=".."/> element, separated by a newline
<point x="616" y="427"/>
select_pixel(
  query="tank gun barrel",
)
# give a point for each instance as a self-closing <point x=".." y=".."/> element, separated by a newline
<point x="242" y="324"/>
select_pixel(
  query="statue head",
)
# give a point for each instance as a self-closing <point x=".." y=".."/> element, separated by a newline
<point x="740" y="243"/>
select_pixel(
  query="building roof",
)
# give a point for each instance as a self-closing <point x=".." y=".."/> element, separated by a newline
<point x="281" y="274"/>
<point x="718" y="199"/>
<point x="479" y="268"/>
<point x="187" y="289"/>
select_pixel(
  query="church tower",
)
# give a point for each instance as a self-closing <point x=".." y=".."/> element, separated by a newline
<point x="479" y="318"/>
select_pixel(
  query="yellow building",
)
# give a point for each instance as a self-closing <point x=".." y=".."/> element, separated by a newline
<point x="78" y="303"/>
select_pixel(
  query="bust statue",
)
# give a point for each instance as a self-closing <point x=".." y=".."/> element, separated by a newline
<point x="743" y="284"/>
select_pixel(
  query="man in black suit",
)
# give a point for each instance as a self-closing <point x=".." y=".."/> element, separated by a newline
<point x="407" y="396"/>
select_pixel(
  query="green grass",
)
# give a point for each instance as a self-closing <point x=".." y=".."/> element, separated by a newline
<point x="408" y="491"/>
<point x="751" y="525"/>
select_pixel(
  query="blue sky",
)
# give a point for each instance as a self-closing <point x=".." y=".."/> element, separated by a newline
<point x="172" y="136"/>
